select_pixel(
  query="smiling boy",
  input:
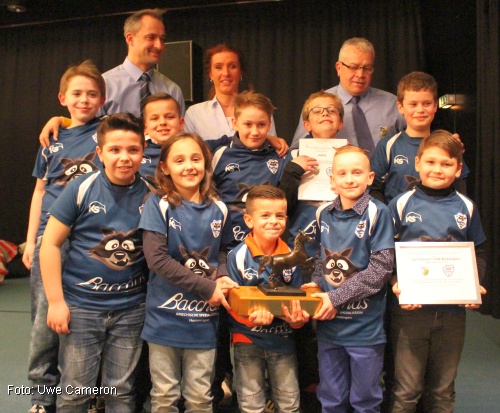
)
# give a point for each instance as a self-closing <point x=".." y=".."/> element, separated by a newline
<point x="96" y="302"/>
<point x="357" y="257"/>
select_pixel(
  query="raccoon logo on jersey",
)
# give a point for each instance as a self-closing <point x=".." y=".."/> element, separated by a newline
<point x="197" y="262"/>
<point x="360" y="229"/>
<point x="400" y="159"/>
<point x="216" y="227"/>
<point x="337" y="267"/>
<point x="461" y="220"/>
<point x="117" y="250"/>
<point x="230" y="167"/>
<point x="73" y="168"/>
<point x="413" y="217"/>
<point x="172" y="222"/>
<point x="273" y="165"/>
<point x="96" y="206"/>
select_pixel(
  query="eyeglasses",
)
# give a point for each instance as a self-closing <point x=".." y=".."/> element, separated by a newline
<point x="355" y="68"/>
<point x="318" y="110"/>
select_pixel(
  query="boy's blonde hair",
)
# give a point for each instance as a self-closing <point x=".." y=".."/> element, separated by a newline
<point x="359" y="43"/>
<point x="322" y="94"/>
<point x="119" y="121"/>
<point x="87" y="69"/>
<point x="442" y="139"/>
<point x="161" y="96"/>
<point x="415" y="82"/>
<point x="251" y="98"/>
<point x="133" y="22"/>
<point x="351" y="149"/>
<point x="262" y="192"/>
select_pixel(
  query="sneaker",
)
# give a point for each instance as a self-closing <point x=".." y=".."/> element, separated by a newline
<point x="269" y="406"/>
<point x="37" y="408"/>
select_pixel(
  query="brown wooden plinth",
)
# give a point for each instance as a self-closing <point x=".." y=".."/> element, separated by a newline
<point x="245" y="300"/>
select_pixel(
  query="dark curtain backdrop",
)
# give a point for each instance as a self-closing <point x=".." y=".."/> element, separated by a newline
<point x="488" y="148"/>
<point x="291" y="48"/>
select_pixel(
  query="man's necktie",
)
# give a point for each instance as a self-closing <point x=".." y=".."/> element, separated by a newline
<point x="363" y="134"/>
<point x="144" y="91"/>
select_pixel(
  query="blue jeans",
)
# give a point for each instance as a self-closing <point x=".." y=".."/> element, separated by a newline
<point x="176" y="371"/>
<point x="350" y="375"/>
<point x="427" y="348"/>
<point x="110" y="339"/>
<point x="43" y="369"/>
<point x="251" y="363"/>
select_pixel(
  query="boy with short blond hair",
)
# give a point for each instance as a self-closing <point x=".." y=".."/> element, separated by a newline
<point x="96" y="302"/>
<point x="82" y="91"/>
<point x="263" y="341"/>
<point x="428" y="339"/>
<point x="394" y="158"/>
<point x="357" y="258"/>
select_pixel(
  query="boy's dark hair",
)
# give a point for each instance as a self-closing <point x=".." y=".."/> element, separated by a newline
<point x="119" y="121"/>
<point x="132" y="24"/>
<point x="322" y="94"/>
<point x="251" y="98"/>
<point x="166" y="188"/>
<point x="87" y="69"/>
<point x="442" y="139"/>
<point x="415" y="82"/>
<point x="161" y="96"/>
<point x="263" y="192"/>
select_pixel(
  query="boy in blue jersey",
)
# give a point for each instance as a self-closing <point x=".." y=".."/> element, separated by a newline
<point x="96" y="302"/>
<point x="262" y="341"/>
<point x="357" y="258"/>
<point x="82" y="91"/>
<point x="394" y="158"/>
<point x="428" y="340"/>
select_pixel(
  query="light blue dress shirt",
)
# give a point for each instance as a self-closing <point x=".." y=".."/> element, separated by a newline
<point x="123" y="84"/>
<point x="207" y="119"/>
<point x="380" y="111"/>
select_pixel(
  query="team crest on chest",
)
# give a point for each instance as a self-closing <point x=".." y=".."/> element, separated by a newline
<point x="56" y="147"/>
<point x="172" y="222"/>
<point x="250" y="273"/>
<point x="273" y="165"/>
<point x="96" y="206"/>
<point x="384" y="130"/>
<point x="230" y="167"/>
<point x="216" y="227"/>
<point x="461" y="220"/>
<point x="400" y="159"/>
<point x="413" y="217"/>
<point x="146" y="159"/>
<point x="360" y="229"/>
<point x="287" y="274"/>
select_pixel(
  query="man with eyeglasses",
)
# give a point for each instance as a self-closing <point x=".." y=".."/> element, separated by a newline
<point x="355" y="68"/>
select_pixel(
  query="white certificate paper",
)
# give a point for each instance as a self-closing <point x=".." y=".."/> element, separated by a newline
<point x="317" y="187"/>
<point x="437" y="273"/>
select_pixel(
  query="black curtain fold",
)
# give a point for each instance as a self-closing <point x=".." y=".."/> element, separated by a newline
<point x="487" y="174"/>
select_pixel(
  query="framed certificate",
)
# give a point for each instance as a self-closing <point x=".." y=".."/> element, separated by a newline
<point x="316" y="187"/>
<point x="437" y="273"/>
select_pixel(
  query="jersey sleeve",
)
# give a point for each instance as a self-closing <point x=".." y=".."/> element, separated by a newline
<point x="153" y="216"/>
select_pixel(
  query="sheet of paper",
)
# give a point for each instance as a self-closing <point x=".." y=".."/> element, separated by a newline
<point x="437" y="273"/>
<point x="316" y="187"/>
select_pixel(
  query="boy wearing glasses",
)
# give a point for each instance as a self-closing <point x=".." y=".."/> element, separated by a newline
<point x="322" y="116"/>
<point x="355" y="69"/>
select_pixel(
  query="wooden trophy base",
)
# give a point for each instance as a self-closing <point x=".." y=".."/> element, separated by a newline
<point x="266" y="289"/>
<point x="245" y="300"/>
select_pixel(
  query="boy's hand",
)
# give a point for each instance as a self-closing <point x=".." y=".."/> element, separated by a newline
<point x="410" y="307"/>
<point x="226" y="284"/>
<point x="279" y="144"/>
<point x="307" y="163"/>
<point x="396" y="290"/>
<point x="483" y="291"/>
<point x="51" y="127"/>
<point x="296" y="317"/>
<point x="58" y="317"/>
<point x="218" y="298"/>
<point x="29" y="249"/>
<point x="308" y="285"/>
<point x="261" y="318"/>
<point x="327" y="311"/>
